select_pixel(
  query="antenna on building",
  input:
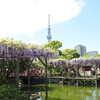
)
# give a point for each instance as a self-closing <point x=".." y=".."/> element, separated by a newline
<point x="49" y="30"/>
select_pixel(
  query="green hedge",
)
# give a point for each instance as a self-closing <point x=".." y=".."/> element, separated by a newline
<point x="10" y="92"/>
<point x="2" y="79"/>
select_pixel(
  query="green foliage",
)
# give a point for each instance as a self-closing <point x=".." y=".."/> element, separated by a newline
<point x="81" y="69"/>
<point x="61" y="57"/>
<point x="56" y="74"/>
<point x="10" y="92"/>
<point x="55" y="45"/>
<point x="29" y="45"/>
<point x="70" y="54"/>
<point x="60" y="52"/>
<point x="98" y="55"/>
<point x="22" y="66"/>
<point x="2" y="79"/>
<point x="10" y="42"/>
<point x="86" y="55"/>
<point x="38" y="65"/>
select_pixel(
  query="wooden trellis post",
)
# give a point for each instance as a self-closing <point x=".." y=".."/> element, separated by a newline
<point x="84" y="75"/>
<point x="77" y="76"/>
<point x="29" y="79"/>
<point x="96" y="77"/>
<point x="17" y="72"/>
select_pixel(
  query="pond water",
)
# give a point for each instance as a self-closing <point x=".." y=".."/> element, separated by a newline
<point x="66" y="92"/>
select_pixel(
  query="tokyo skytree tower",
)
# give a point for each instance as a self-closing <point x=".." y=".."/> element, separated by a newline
<point x="49" y="30"/>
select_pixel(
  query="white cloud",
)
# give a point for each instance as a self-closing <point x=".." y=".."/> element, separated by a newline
<point x="34" y="42"/>
<point x="28" y="16"/>
<point x="31" y="35"/>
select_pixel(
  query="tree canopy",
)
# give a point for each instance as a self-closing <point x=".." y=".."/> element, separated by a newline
<point x="55" y="45"/>
<point x="70" y="54"/>
<point x="86" y="55"/>
<point x="98" y="55"/>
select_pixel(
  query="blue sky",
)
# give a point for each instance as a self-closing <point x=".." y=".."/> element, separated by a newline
<point x="72" y="22"/>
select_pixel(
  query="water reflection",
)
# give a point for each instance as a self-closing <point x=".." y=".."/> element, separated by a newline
<point x="39" y="98"/>
<point x="65" y="92"/>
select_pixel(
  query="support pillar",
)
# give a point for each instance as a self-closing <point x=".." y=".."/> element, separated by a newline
<point x="46" y="84"/>
<point x="77" y="77"/>
<point x="17" y="73"/>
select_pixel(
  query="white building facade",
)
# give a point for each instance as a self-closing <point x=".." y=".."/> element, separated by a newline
<point x="92" y="53"/>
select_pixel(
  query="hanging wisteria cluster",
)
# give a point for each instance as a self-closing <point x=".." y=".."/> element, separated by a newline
<point x="58" y="62"/>
<point x="82" y="62"/>
<point x="8" y="53"/>
<point x="78" y="62"/>
<point x="59" y="65"/>
<point x="13" y="51"/>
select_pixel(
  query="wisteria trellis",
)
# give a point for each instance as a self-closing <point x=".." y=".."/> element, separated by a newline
<point x="77" y="62"/>
<point x="16" y="53"/>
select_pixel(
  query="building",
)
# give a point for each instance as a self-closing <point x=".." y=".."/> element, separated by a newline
<point x="92" y="53"/>
<point x="80" y="49"/>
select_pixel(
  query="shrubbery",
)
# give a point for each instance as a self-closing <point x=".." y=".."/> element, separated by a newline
<point x="10" y="92"/>
<point x="2" y="79"/>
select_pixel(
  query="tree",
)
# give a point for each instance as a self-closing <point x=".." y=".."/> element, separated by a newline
<point x="55" y="45"/>
<point x="98" y="55"/>
<point x="43" y="55"/>
<point x="86" y="55"/>
<point x="70" y="54"/>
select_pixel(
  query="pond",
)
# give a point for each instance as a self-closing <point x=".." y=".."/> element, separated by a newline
<point x="66" y="92"/>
